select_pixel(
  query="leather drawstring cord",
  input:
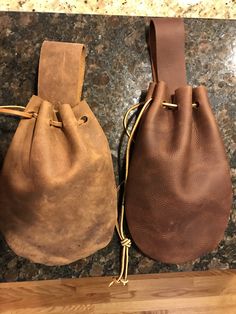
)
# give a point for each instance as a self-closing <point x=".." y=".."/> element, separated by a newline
<point x="19" y="111"/>
<point x="126" y="242"/>
<point x="13" y="107"/>
<point x="164" y="104"/>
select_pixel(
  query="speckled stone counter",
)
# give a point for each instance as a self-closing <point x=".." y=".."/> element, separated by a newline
<point x="118" y="70"/>
<point x="225" y="9"/>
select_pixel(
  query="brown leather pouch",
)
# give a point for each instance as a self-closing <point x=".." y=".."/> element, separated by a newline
<point x="57" y="187"/>
<point x="178" y="191"/>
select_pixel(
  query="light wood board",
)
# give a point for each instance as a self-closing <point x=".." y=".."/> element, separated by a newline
<point x="211" y="292"/>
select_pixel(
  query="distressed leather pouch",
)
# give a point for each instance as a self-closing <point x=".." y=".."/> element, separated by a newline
<point x="178" y="189"/>
<point x="57" y="187"/>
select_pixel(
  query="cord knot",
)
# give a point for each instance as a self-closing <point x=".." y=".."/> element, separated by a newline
<point x="126" y="242"/>
<point x="118" y="281"/>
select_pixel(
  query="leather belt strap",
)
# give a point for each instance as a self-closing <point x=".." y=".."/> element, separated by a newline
<point x="61" y="72"/>
<point x="166" y="44"/>
<point x="61" y="75"/>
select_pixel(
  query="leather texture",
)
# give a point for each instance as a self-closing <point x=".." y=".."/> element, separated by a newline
<point x="178" y="193"/>
<point x="61" y="72"/>
<point x="166" y="46"/>
<point x="57" y="186"/>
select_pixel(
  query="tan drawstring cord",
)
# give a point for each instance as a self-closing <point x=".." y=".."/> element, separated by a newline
<point x="21" y="108"/>
<point x="126" y="242"/>
<point x="19" y="111"/>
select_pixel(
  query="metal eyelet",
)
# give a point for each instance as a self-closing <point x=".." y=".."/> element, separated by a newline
<point x="168" y="105"/>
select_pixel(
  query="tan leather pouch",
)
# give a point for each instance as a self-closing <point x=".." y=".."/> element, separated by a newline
<point x="57" y="187"/>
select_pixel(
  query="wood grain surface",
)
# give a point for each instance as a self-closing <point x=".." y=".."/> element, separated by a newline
<point x="211" y="292"/>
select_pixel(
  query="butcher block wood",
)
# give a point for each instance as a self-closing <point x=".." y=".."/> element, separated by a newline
<point x="211" y="292"/>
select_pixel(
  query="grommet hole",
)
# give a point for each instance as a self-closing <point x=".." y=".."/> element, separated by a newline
<point x="83" y="120"/>
<point x="196" y="104"/>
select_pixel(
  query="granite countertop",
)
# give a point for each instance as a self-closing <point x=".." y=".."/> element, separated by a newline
<point x="188" y="8"/>
<point x="117" y="71"/>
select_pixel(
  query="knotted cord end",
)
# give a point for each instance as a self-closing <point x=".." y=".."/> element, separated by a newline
<point x="118" y="281"/>
<point x="126" y="242"/>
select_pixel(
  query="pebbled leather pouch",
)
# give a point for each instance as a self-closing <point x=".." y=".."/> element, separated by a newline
<point x="178" y="192"/>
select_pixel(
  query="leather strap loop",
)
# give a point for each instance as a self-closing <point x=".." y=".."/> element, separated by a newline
<point x="61" y="72"/>
<point x="166" y="45"/>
